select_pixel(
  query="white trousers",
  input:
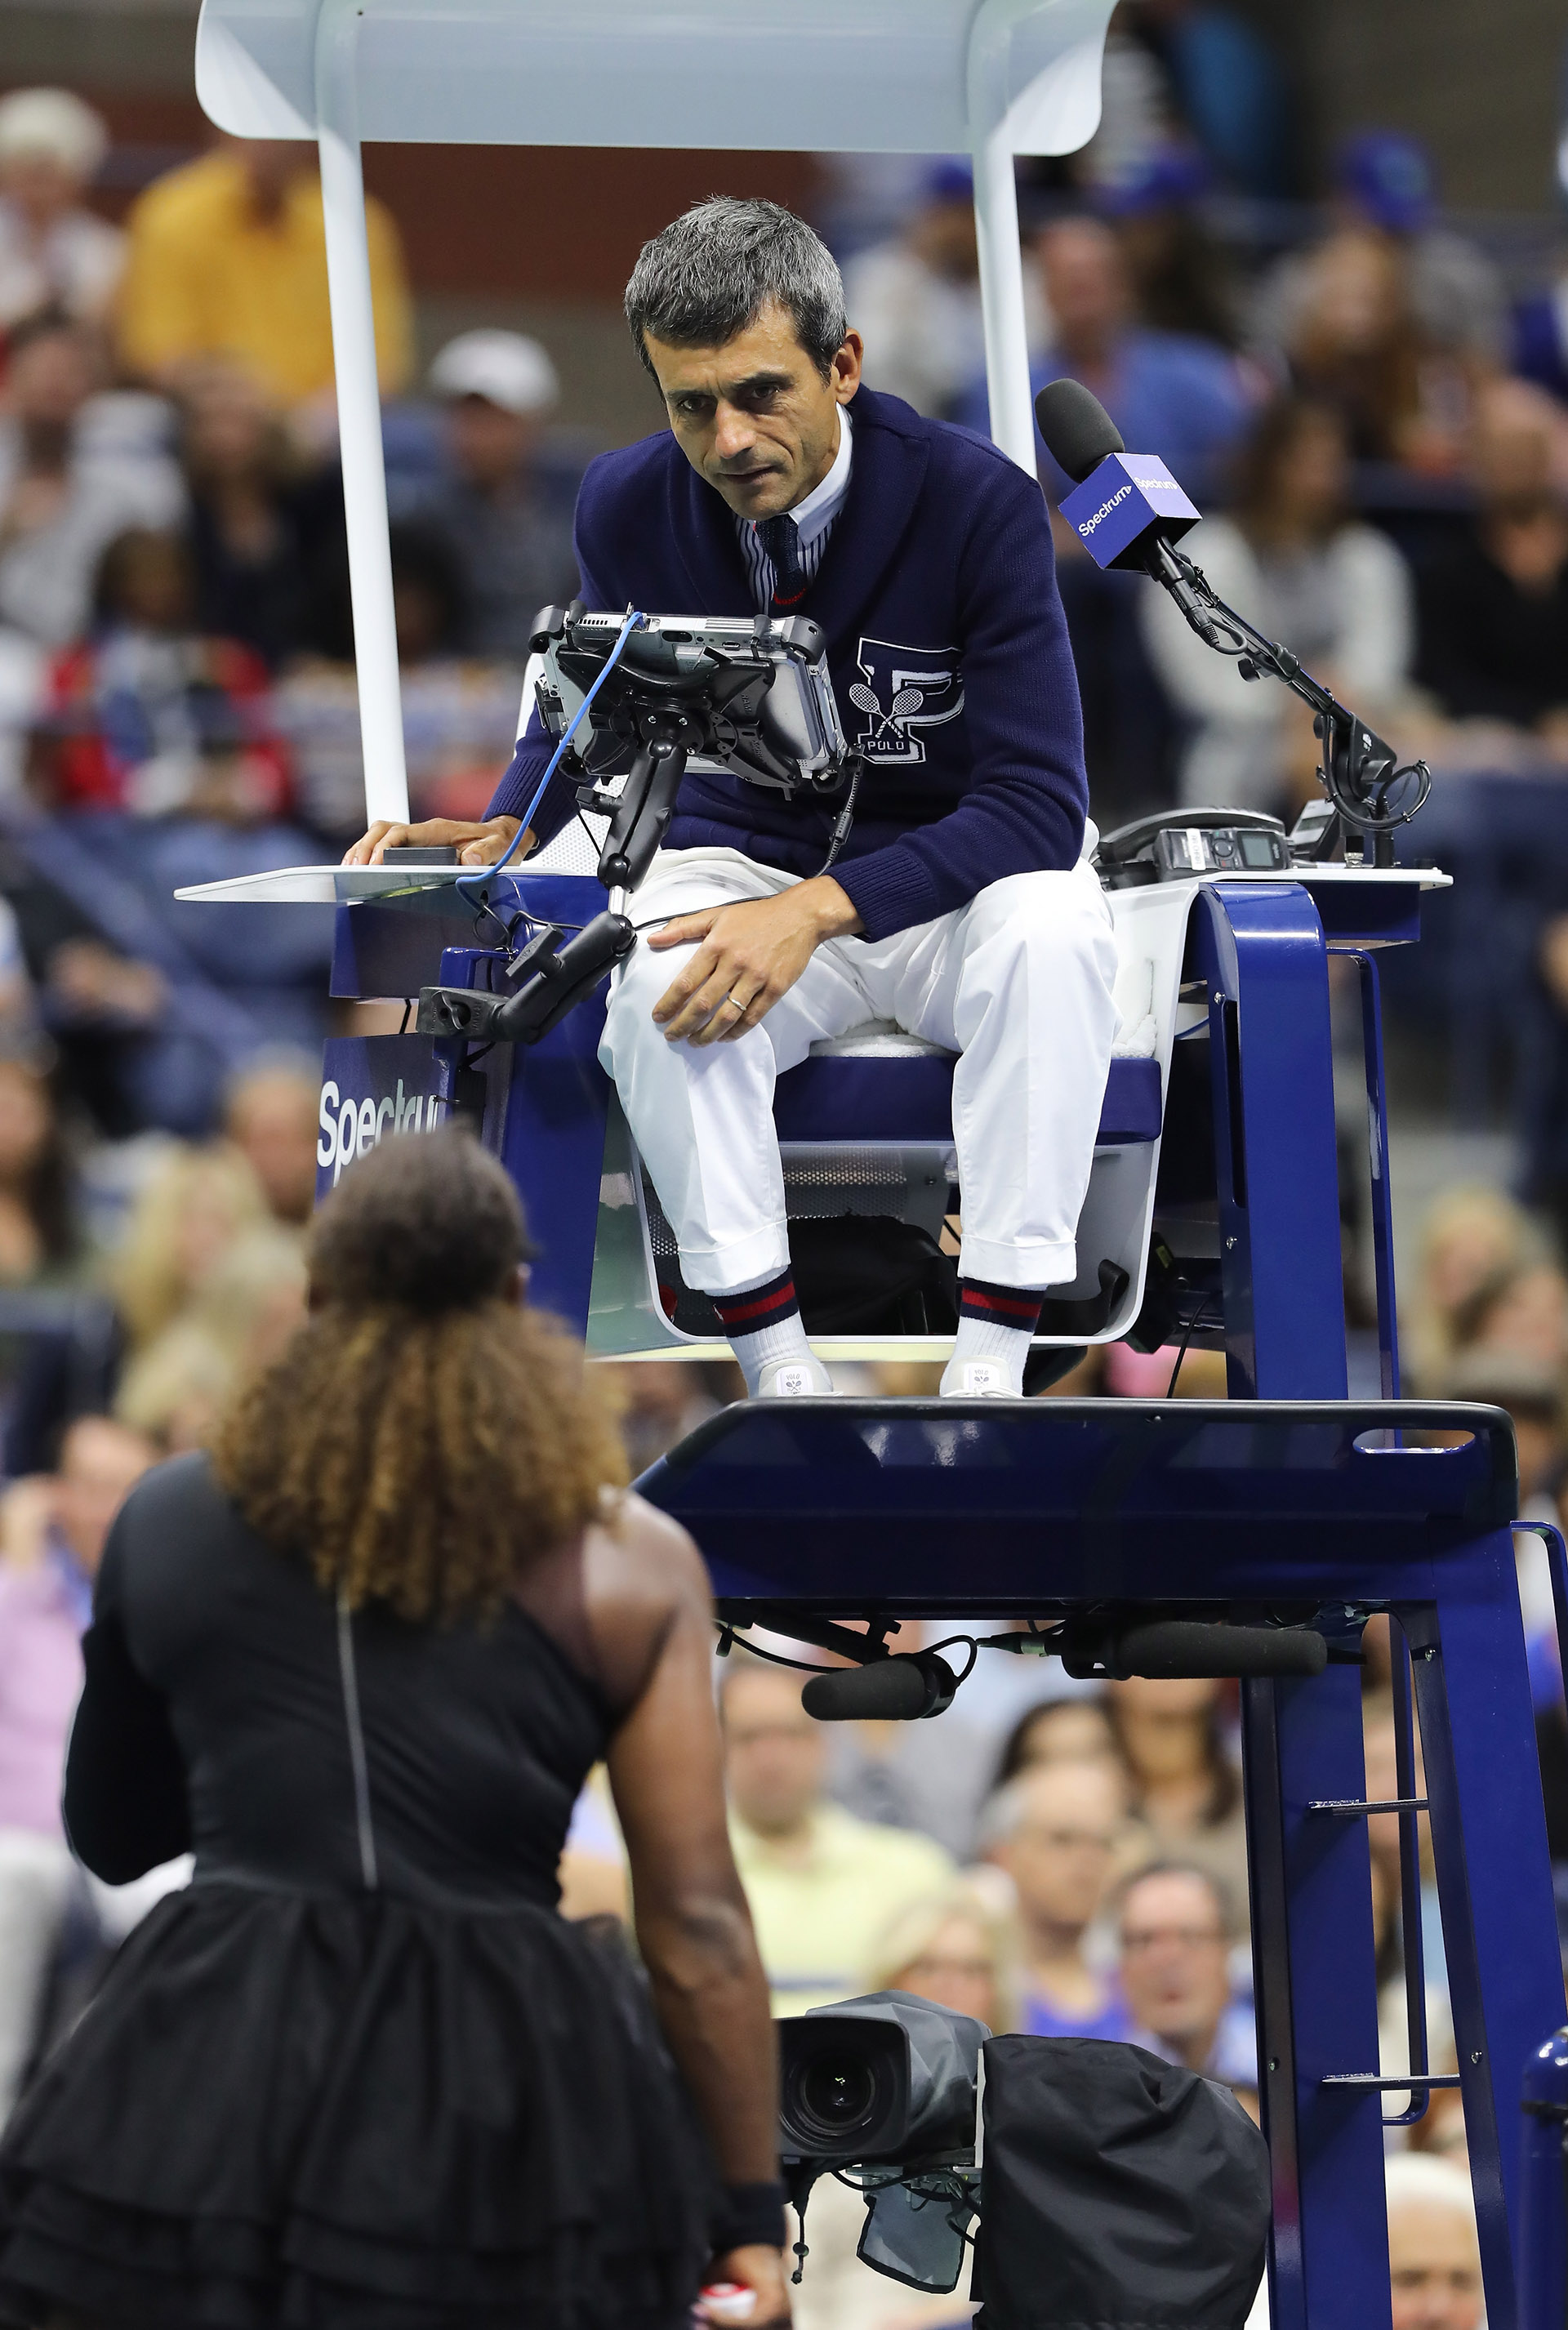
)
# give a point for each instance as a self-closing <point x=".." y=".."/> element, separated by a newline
<point x="1018" y="983"/>
<point x="37" y="1877"/>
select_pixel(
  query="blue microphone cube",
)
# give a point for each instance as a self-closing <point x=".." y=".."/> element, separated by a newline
<point x="1130" y="498"/>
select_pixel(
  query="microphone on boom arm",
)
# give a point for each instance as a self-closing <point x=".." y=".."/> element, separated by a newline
<point x="1128" y="512"/>
<point x="1130" y="509"/>
<point x="1078" y="430"/>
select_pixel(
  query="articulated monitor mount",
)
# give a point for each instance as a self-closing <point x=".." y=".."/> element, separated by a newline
<point x="750" y="697"/>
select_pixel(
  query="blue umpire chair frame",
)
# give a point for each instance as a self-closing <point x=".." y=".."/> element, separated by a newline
<point x="1286" y="1502"/>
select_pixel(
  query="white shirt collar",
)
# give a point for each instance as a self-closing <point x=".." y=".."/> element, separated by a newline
<point x="822" y="505"/>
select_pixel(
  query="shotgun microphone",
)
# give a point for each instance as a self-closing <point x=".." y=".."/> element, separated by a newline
<point x="901" y="1689"/>
<point x="1165" y="1648"/>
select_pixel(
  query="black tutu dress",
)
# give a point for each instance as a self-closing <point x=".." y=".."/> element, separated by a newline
<point x="360" y="2075"/>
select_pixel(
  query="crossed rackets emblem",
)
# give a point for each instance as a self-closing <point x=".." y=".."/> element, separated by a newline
<point x="901" y="691"/>
<point x="907" y="700"/>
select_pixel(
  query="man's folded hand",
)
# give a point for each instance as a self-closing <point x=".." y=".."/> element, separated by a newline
<point x="748" y="955"/>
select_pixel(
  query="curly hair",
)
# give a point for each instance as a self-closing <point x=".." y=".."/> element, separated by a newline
<point x="424" y="1435"/>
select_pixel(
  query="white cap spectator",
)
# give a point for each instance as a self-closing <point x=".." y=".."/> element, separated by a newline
<point x="502" y="367"/>
<point x="54" y="125"/>
<point x="51" y="249"/>
<point x="504" y="516"/>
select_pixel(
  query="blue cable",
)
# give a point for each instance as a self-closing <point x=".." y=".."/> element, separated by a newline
<point x="634" y="621"/>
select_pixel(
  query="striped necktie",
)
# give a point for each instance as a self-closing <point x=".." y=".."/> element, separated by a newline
<point x="780" y="538"/>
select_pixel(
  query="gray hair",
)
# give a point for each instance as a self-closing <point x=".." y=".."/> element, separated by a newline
<point x="1219" y="1893"/>
<point x="710" y="273"/>
<point x="1006" y="1807"/>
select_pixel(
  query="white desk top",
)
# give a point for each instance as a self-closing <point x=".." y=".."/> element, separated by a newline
<point x="1404" y="877"/>
<point x="324" y="886"/>
<point x="334" y="886"/>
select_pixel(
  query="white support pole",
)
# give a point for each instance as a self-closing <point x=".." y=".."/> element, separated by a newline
<point x="996" y="232"/>
<point x="375" y="645"/>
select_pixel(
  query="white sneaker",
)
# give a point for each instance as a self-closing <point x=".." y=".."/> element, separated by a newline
<point x="804" y="1378"/>
<point x="980" y="1379"/>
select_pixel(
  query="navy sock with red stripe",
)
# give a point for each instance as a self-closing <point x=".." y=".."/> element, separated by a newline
<point x="995" y="1324"/>
<point x="1016" y="1307"/>
<point x="763" y="1323"/>
<point x="759" y="1308"/>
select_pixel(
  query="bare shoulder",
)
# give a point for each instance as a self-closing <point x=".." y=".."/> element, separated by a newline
<point x="641" y="1574"/>
<point x="635" y="1538"/>
<point x="653" y="1535"/>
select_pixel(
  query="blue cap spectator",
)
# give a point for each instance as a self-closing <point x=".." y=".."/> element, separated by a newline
<point x="915" y="297"/>
<point x="1181" y="273"/>
<point x="949" y="181"/>
<point x="1387" y="185"/>
<point x="1159" y="178"/>
<point x="1541" y="317"/>
<point x="1541" y="338"/>
<point x="1388" y="178"/>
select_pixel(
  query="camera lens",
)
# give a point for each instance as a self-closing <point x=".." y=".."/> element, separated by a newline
<point x="835" y="2096"/>
<point x="839" y="2094"/>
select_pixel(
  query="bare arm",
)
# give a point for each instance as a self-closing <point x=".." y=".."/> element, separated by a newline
<point x="693" y="1925"/>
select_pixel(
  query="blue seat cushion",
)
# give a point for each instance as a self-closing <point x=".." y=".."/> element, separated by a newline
<point x="910" y="1100"/>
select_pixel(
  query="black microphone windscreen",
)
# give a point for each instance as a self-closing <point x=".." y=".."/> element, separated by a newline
<point x="888" y="1690"/>
<point x="1169" y="1647"/>
<point x="1078" y="430"/>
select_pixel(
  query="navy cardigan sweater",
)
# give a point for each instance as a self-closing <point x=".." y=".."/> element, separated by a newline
<point x="947" y="646"/>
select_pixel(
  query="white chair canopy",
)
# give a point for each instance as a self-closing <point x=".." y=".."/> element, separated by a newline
<point x="858" y="76"/>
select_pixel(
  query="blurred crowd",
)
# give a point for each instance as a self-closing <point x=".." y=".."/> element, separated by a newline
<point x="1372" y="423"/>
<point x="177" y="657"/>
<point x="1371" y="408"/>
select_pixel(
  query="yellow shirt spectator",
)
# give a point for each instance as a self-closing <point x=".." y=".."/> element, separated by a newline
<point x="227" y="256"/>
<point x="819" y="1902"/>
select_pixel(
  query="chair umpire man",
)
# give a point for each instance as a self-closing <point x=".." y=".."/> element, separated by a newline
<point x="962" y="907"/>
